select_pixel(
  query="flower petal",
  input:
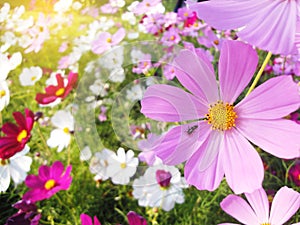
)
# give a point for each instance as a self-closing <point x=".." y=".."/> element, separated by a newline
<point x="273" y="99"/>
<point x="274" y="28"/>
<point x="260" y="204"/>
<point x="228" y="14"/>
<point x="237" y="65"/>
<point x="56" y="170"/>
<point x="196" y="76"/>
<point x="238" y="208"/>
<point x="4" y="178"/>
<point x="277" y="137"/>
<point x="285" y="204"/>
<point x="171" y="104"/>
<point x="208" y="179"/>
<point x="178" y="144"/>
<point x="242" y="165"/>
<point x="85" y="219"/>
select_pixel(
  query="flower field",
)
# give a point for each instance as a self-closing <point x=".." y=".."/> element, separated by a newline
<point x="149" y="112"/>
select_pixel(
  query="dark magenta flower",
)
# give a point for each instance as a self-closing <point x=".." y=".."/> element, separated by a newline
<point x="135" y="219"/>
<point x="294" y="173"/>
<point x="17" y="135"/>
<point x="27" y="214"/>
<point x="59" y="91"/>
<point x="163" y="178"/>
<point x="49" y="181"/>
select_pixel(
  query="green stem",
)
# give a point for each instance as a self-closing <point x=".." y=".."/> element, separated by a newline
<point x="260" y="72"/>
<point x="66" y="207"/>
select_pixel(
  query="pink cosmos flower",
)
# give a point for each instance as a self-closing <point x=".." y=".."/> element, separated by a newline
<point x="285" y="204"/>
<point x="145" y="6"/>
<point x="49" y="181"/>
<point x="133" y="219"/>
<point x="105" y="41"/>
<point x="59" y="91"/>
<point x="171" y="37"/>
<point x="87" y="220"/>
<point x="267" y="24"/>
<point x="16" y="135"/>
<point x="216" y="141"/>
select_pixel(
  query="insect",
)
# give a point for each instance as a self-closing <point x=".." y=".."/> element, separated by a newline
<point x="192" y="129"/>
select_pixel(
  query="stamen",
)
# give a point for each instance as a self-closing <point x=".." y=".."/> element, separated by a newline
<point x="22" y="135"/>
<point x="60" y="92"/>
<point x="50" y="184"/>
<point x="221" y="116"/>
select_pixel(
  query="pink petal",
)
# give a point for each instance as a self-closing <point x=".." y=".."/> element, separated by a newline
<point x="237" y="65"/>
<point x="260" y="204"/>
<point x="96" y="221"/>
<point x="228" y="14"/>
<point x="85" y="219"/>
<point x="178" y="144"/>
<point x="33" y="181"/>
<point x="242" y="165"/>
<point x="118" y="36"/>
<point x="277" y="23"/>
<point x="10" y="129"/>
<point x="277" y="137"/>
<point x="208" y="179"/>
<point x="171" y="104"/>
<point x="196" y="76"/>
<point x="238" y="208"/>
<point x="100" y="45"/>
<point x="56" y="170"/>
<point x="285" y="204"/>
<point x="44" y="172"/>
<point x="273" y="99"/>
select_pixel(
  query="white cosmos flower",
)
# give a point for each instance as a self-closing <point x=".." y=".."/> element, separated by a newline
<point x="117" y="75"/>
<point x="99" y="164"/>
<point x="29" y="76"/>
<point x="62" y="6"/>
<point x="16" y="168"/>
<point x="85" y="153"/>
<point x="61" y="136"/>
<point x="135" y="93"/>
<point x="161" y="186"/>
<point x="122" y="166"/>
<point x="7" y="64"/>
<point x="4" y="95"/>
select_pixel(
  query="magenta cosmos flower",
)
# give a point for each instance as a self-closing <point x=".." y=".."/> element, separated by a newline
<point x="49" y="181"/>
<point x="267" y="24"/>
<point x="133" y="219"/>
<point x="285" y="204"/>
<point x="59" y="91"/>
<point x="16" y="135"/>
<point x="215" y="143"/>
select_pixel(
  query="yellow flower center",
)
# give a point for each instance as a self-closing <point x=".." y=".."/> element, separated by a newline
<point x="148" y="4"/>
<point x="172" y="38"/>
<point x="265" y="224"/>
<point x="3" y="162"/>
<point x="2" y="93"/>
<point x="66" y="130"/>
<point x="108" y="40"/>
<point x="33" y="78"/>
<point x="50" y="184"/>
<point x="123" y="165"/>
<point x="185" y="14"/>
<point x="221" y="116"/>
<point x="60" y="92"/>
<point x="22" y="135"/>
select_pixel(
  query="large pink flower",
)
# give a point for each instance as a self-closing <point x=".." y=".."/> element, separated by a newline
<point x="215" y="142"/>
<point x="267" y="24"/>
<point x="285" y="204"/>
<point x="49" y="181"/>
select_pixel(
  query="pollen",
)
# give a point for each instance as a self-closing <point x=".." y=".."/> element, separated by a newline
<point x="108" y="40"/>
<point x="60" y="92"/>
<point x="185" y="14"/>
<point x="172" y="38"/>
<point x="216" y="42"/>
<point x="265" y="224"/>
<point x="33" y="78"/>
<point x="66" y="130"/>
<point x="2" y="93"/>
<point x="22" y="135"/>
<point x="123" y="165"/>
<point x="221" y="116"/>
<point x="50" y="184"/>
<point x="3" y="162"/>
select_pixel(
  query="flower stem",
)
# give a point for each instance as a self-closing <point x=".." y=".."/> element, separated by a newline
<point x="260" y="72"/>
<point x="67" y="208"/>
